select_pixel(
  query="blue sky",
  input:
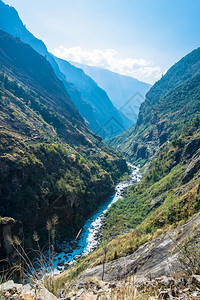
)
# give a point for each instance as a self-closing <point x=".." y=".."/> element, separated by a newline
<point x="139" y="38"/>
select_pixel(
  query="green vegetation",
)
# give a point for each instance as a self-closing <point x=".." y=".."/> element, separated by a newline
<point x="160" y="187"/>
<point x="50" y="162"/>
<point x="169" y="106"/>
<point x="152" y="207"/>
<point x="166" y="142"/>
<point x="166" y="138"/>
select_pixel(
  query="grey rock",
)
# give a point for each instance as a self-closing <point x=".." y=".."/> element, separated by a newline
<point x="10" y="285"/>
<point x="191" y="170"/>
<point x="195" y="280"/>
<point x="155" y="258"/>
<point x="192" y="147"/>
<point x="61" y="263"/>
<point x="80" y="292"/>
<point x="164" y="295"/>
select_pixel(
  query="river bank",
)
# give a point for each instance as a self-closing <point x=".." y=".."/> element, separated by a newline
<point x="90" y="235"/>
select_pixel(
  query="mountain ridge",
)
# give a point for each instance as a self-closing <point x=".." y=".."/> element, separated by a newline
<point x="121" y="89"/>
<point x="154" y="213"/>
<point x="153" y="126"/>
<point x="51" y="163"/>
<point x="11" y="23"/>
<point x="96" y="97"/>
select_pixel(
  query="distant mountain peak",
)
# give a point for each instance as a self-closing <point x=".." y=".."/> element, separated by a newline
<point x="121" y="89"/>
<point x="91" y="100"/>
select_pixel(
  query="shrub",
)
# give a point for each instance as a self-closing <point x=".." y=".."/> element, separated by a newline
<point x="189" y="256"/>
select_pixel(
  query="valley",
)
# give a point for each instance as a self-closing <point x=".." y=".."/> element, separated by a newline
<point x="91" y="233"/>
<point x="99" y="171"/>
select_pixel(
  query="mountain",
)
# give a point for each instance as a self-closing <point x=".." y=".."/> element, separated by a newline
<point x="92" y="102"/>
<point x="166" y="141"/>
<point x="171" y="103"/>
<point x="103" y="108"/>
<point x="50" y="162"/>
<point x="125" y="92"/>
<point x="11" y="23"/>
<point x="152" y="229"/>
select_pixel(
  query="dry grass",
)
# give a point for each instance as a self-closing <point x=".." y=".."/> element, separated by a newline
<point x="39" y="271"/>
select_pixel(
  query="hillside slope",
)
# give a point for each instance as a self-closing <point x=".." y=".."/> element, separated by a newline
<point x="103" y="109"/>
<point x="124" y="91"/>
<point x="169" y="141"/>
<point x="156" y="215"/>
<point x="91" y="101"/>
<point x="51" y="163"/>
<point x="170" y="103"/>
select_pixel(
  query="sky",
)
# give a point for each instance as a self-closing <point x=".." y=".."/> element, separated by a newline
<point x="139" y="38"/>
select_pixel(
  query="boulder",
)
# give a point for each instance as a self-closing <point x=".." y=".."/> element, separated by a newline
<point x="9" y="285"/>
<point x="11" y="290"/>
<point x="60" y="263"/>
<point x="164" y="295"/>
<point x="58" y="248"/>
<point x="77" y="257"/>
<point x="195" y="281"/>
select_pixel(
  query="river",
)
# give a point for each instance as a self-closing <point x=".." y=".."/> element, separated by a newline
<point x="89" y="237"/>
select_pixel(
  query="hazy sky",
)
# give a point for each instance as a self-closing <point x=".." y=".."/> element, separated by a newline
<point x="140" y="38"/>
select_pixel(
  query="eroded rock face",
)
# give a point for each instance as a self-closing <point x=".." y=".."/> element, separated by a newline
<point x="192" y="169"/>
<point x="191" y="148"/>
<point x="198" y="193"/>
<point x="9" y="229"/>
<point x="151" y="260"/>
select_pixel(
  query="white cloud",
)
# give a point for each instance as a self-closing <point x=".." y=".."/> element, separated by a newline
<point x="108" y="59"/>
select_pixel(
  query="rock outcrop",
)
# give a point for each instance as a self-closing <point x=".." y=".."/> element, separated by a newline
<point x="192" y="168"/>
<point x="12" y="291"/>
<point x="151" y="260"/>
<point x="9" y="229"/>
<point x="159" y="288"/>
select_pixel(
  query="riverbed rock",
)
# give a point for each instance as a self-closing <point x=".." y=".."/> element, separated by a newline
<point x="68" y="250"/>
<point x="58" y="248"/>
<point x="77" y="257"/>
<point x="61" y="263"/>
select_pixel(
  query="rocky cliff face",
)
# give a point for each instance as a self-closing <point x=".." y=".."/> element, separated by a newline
<point x="9" y="229"/>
